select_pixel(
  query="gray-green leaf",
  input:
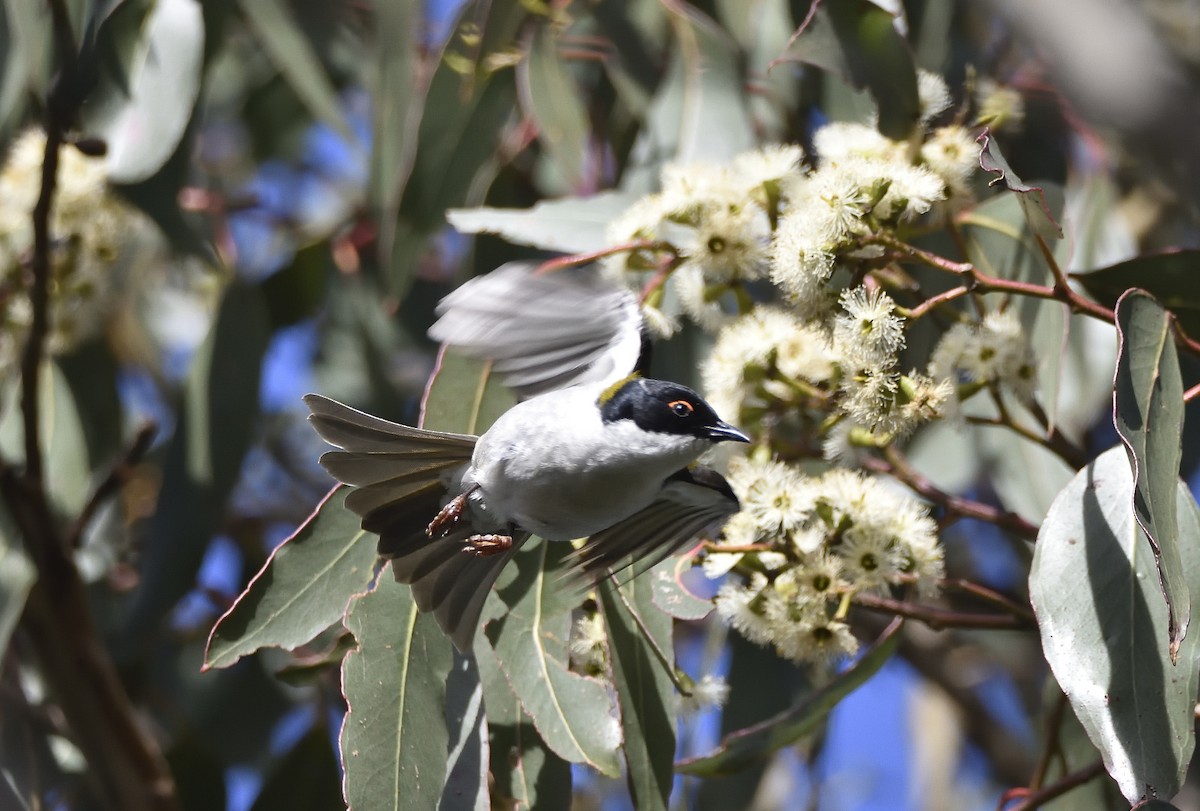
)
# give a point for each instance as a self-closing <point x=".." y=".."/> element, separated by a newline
<point x="1104" y="627"/>
<point x="573" y="713"/>
<point x="302" y="589"/>
<point x="394" y="739"/>
<point x="1148" y="414"/>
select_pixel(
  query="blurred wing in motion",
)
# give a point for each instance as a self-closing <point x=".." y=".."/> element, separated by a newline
<point x="694" y="500"/>
<point x="544" y="331"/>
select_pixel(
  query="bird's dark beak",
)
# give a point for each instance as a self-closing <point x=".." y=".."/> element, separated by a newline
<point x="724" y="432"/>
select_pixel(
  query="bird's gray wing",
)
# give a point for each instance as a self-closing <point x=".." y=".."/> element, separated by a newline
<point x="544" y="331"/>
<point x="391" y="466"/>
<point x="692" y="501"/>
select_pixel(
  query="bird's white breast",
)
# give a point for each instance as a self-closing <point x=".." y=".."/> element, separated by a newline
<point x="552" y="466"/>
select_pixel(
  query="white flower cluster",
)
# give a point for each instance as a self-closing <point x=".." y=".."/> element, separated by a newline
<point x="88" y="225"/>
<point x="830" y="537"/>
<point x="994" y="351"/>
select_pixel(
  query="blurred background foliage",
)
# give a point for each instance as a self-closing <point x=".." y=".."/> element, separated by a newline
<point x="265" y="214"/>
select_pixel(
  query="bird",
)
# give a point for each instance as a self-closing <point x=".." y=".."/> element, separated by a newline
<point x="593" y="449"/>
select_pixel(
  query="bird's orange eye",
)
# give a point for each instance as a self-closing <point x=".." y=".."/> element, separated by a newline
<point x="680" y="408"/>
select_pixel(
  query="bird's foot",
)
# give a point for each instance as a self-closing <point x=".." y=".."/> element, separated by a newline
<point x="448" y="516"/>
<point x="483" y="546"/>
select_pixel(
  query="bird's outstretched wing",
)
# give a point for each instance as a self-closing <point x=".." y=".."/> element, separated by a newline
<point x="692" y="501"/>
<point x="544" y="331"/>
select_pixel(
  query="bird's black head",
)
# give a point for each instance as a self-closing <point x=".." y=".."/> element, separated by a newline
<point x="668" y="408"/>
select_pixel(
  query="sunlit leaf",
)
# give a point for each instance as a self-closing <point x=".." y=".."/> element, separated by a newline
<point x="1103" y="624"/>
<point x="671" y="595"/>
<point x="463" y="396"/>
<point x="751" y="745"/>
<point x="1169" y="276"/>
<point x="467" y="765"/>
<point x="163" y="83"/>
<point x="645" y="693"/>
<point x="552" y="100"/>
<point x="523" y="767"/>
<point x="302" y="589"/>
<point x="573" y="713"/>
<point x="394" y="739"/>
<point x="1148" y="415"/>
<point x="1032" y="198"/>
<point x="568" y="225"/>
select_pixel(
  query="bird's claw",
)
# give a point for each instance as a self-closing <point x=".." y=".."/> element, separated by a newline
<point x="447" y="517"/>
<point x="482" y="546"/>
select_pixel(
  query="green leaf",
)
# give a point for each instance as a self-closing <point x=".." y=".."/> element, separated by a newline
<point x="671" y="596"/>
<point x="1103" y="625"/>
<point x="523" y="767"/>
<point x="1169" y="276"/>
<point x="552" y="100"/>
<point x="1148" y="415"/>
<point x="396" y="111"/>
<point x="146" y="112"/>
<point x="63" y="442"/>
<point x="394" y="739"/>
<point x="463" y="396"/>
<point x="879" y="60"/>
<point x="748" y="746"/>
<point x="568" y="225"/>
<point x="17" y="576"/>
<point x="572" y="713"/>
<point x="215" y="428"/>
<point x="1032" y="198"/>
<point x="699" y="111"/>
<point x="284" y="42"/>
<point x="302" y="589"/>
<point x="645" y="693"/>
<point x="467" y="765"/>
<point x="306" y="777"/>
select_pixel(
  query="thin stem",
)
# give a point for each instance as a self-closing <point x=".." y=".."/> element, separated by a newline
<point x="575" y="259"/>
<point x="1035" y="799"/>
<point x="940" y="619"/>
<point x="1053" y="730"/>
<point x="929" y="304"/>
<point x="113" y="482"/>
<point x="1054" y="442"/>
<point x="894" y="464"/>
<point x="989" y="595"/>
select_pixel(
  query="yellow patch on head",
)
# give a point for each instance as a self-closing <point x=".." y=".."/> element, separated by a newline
<point x="612" y="390"/>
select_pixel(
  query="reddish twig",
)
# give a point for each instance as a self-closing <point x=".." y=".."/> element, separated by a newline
<point x="1035" y="799"/>
<point x="113" y="482"/>
<point x="940" y="619"/>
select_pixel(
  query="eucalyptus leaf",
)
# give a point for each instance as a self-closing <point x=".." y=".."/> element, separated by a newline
<point x="285" y="43"/>
<point x="163" y="84"/>
<point x="17" y="576"/>
<point x="394" y="740"/>
<point x="302" y="589"/>
<point x="749" y="746"/>
<point x="1169" y="276"/>
<point x="671" y="596"/>
<point x="524" y="769"/>
<point x="552" y="101"/>
<point x="467" y="762"/>
<point x="1103" y="624"/>
<point x="568" y="225"/>
<point x="463" y="396"/>
<point x="1148" y="415"/>
<point x="573" y="713"/>
<point x="645" y="692"/>
<point x="396" y="111"/>
<point x="1032" y="198"/>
